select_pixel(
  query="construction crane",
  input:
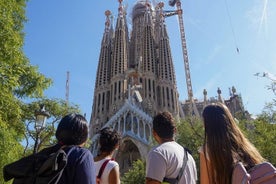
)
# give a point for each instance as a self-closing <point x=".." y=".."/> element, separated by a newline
<point x="192" y="107"/>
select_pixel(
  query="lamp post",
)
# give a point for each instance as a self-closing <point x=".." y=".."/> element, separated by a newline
<point x="41" y="116"/>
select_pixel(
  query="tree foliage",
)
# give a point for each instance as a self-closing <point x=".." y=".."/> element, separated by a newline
<point x="57" y="109"/>
<point x="264" y="138"/>
<point x="190" y="134"/>
<point x="135" y="175"/>
<point x="262" y="133"/>
<point x="18" y="79"/>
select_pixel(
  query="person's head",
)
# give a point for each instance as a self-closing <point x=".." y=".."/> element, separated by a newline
<point x="109" y="140"/>
<point x="164" y="125"/>
<point x="219" y="124"/>
<point x="224" y="143"/>
<point x="72" y="130"/>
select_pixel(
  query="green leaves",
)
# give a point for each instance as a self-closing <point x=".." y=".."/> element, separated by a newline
<point x="57" y="109"/>
<point x="262" y="133"/>
<point x="190" y="134"/>
<point x="31" y="83"/>
<point x="18" y="80"/>
<point x="135" y="175"/>
<point x="17" y="76"/>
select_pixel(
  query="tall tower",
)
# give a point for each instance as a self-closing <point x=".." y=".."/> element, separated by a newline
<point x="101" y="102"/>
<point x="135" y="80"/>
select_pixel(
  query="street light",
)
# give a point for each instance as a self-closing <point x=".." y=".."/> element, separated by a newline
<point x="41" y="116"/>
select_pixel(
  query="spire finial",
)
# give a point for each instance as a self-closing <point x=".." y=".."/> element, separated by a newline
<point x="161" y="4"/>
<point x="120" y="7"/>
<point x="147" y="4"/>
<point x="107" y="14"/>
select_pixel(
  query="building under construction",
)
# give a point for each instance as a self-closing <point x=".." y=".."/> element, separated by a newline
<point x="136" y="78"/>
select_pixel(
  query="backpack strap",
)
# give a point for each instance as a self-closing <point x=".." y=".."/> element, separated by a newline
<point x="176" y="180"/>
<point x="239" y="174"/>
<point x="62" y="151"/>
<point x="185" y="160"/>
<point x="102" y="168"/>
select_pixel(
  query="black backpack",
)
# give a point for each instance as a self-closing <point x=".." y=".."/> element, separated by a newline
<point x="44" y="167"/>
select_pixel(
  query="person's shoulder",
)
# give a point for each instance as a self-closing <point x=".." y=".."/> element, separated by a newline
<point x="172" y="146"/>
<point x="77" y="151"/>
<point x="166" y="148"/>
<point x="113" y="162"/>
<point x="76" y="148"/>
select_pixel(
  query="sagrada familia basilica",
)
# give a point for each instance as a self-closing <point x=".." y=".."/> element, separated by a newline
<point x="136" y="79"/>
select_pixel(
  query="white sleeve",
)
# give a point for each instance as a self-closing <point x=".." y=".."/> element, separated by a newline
<point x="155" y="166"/>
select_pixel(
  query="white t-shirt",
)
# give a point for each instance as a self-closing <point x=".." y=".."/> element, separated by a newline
<point x="165" y="160"/>
<point x="109" y="166"/>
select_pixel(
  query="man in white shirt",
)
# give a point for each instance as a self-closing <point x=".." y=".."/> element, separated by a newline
<point x="165" y="161"/>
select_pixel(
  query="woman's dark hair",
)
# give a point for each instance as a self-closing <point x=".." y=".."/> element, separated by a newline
<point x="109" y="139"/>
<point x="72" y="130"/>
<point x="164" y="125"/>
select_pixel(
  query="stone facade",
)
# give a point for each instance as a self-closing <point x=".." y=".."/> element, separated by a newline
<point x="234" y="103"/>
<point x="135" y="80"/>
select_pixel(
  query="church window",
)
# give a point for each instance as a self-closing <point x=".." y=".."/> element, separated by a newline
<point x="172" y="97"/>
<point x="119" y="88"/>
<point x="168" y="96"/>
<point x="153" y="87"/>
<point x="163" y="91"/>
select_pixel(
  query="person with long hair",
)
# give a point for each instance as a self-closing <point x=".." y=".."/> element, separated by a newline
<point x="109" y="142"/>
<point x="224" y="146"/>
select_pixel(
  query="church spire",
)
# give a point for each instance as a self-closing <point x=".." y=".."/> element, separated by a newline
<point x="101" y="90"/>
<point x="108" y="27"/>
<point x="119" y="60"/>
<point x="121" y="8"/>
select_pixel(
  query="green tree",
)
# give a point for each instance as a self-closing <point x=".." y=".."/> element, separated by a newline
<point x="57" y="109"/>
<point x="190" y="134"/>
<point x="18" y="79"/>
<point x="135" y="175"/>
<point x="262" y="133"/>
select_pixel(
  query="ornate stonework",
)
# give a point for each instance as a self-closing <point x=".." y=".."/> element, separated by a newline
<point x="135" y="80"/>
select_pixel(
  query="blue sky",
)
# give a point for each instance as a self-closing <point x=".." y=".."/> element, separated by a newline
<point x="65" y="35"/>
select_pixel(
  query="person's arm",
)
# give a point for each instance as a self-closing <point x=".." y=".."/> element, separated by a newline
<point x="114" y="176"/>
<point x="155" y="168"/>
<point x="204" y="178"/>
<point x="152" y="181"/>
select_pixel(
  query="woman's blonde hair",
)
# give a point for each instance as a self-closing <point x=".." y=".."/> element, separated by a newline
<point x="225" y="144"/>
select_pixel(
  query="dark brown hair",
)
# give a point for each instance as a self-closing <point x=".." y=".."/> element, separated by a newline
<point x="164" y="125"/>
<point x="109" y="139"/>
